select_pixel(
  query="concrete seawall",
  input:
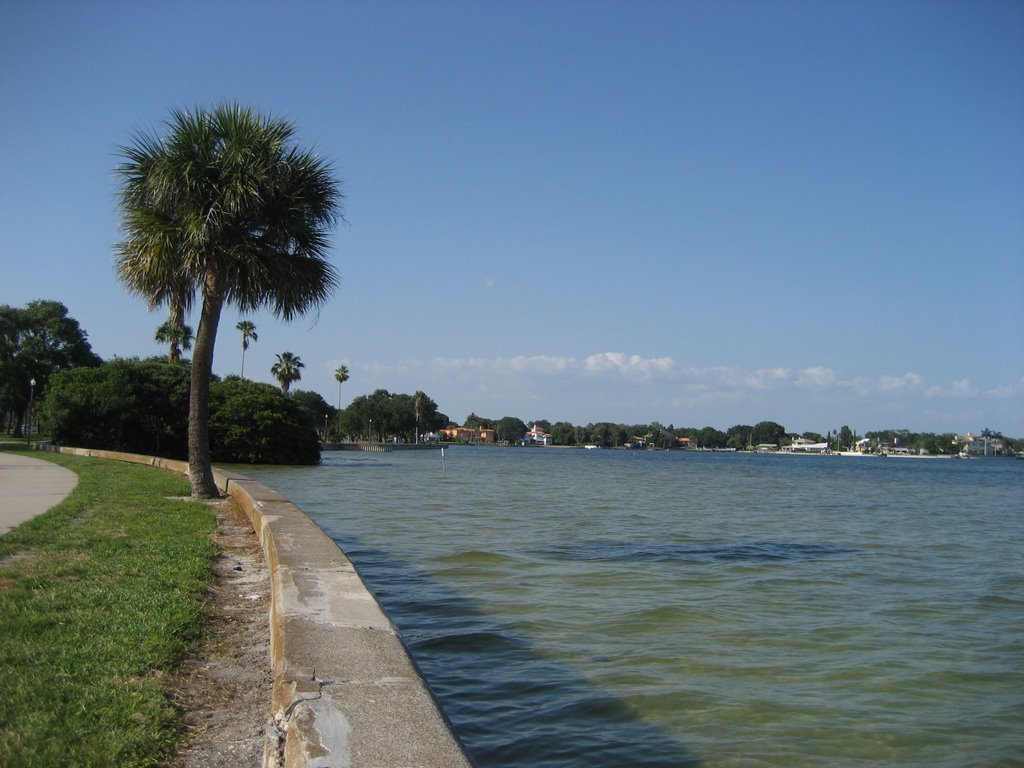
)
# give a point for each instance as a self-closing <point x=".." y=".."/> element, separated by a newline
<point x="346" y="692"/>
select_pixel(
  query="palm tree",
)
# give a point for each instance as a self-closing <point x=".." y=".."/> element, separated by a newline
<point x="286" y="370"/>
<point x="179" y="337"/>
<point x="418" y="401"/>
<point x="248" y="329"/>
<point x="341" y="374"/>
<point x="224" y="205"/>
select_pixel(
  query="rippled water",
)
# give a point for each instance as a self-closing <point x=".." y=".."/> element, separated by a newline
<point x="609" y="608"/>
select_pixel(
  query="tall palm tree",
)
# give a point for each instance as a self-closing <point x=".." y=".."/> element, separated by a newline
<point x="418" y="402"/>
<point x="179" y="337"/>
<point x="248" y="329"/>
<point x="341" y="374"/>
<point x="286" y="370"/>
<point x="227" y="206"/>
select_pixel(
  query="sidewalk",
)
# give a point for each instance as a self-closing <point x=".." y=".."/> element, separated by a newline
<point x="29" y="487"/>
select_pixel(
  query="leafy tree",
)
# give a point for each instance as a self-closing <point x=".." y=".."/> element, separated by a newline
<point x="248" y="329"/>
<point x="510" y="429"/>
<point x="478" y="422"/>
<point x="709" y="437"/>
<point x="227" y="205"/>
<point x="254" y="423"/>
<point x="121" y="405"/>
<point x="384" y="415"/>
<point x="142" y="407"/>
<point x="286" y="370"/>
<point x="564" y="433"/>
<point x="36" y="341"/>
<point x="739" y="437"/>
<point x="319" y="410"/>
<point x="767" y="432"/>
<point x="846" y="439"/>
<point x="608" y="435"/>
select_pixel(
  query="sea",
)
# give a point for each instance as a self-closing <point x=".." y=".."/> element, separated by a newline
<point x="600" y="608"/>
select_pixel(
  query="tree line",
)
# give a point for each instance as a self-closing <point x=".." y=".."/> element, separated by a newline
<point x="511" y="430"/>
<point x="606" y="434"/>
<point x="51" y="378"/>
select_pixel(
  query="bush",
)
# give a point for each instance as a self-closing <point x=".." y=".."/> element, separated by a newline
<point x="142" y="407"/>
<point x="123" y="405"/>
<point x="254" y="423"/>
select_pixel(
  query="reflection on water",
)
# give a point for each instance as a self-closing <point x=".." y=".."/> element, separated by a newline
<point x="581" y="608"/>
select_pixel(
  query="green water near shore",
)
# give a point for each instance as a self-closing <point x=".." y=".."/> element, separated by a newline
<point x="599" y="608"/>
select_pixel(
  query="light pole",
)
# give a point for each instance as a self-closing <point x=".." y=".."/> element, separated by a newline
<point x="31" y="398"/>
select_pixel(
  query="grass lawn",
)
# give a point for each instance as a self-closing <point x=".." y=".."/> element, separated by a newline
<point x="99" y="598"/>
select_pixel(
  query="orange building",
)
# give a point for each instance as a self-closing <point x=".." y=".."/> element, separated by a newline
<point x="467" y="435"/>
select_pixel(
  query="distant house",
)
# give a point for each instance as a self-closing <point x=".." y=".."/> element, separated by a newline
<point x="468" y="435"/>
<point x="537" y="436"/>
<point x="684" y="442"/>
<point x="803" y="445"/>
<point x="766" y="448"/>
<point x="981" y="445"/>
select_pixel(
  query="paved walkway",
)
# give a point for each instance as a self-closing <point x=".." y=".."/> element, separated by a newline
<point x="29" y="487"/>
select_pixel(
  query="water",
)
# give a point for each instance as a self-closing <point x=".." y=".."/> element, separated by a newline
<point x="609" y="608"/>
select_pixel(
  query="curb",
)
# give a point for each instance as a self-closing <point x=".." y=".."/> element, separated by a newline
<point x="346" y="693"/>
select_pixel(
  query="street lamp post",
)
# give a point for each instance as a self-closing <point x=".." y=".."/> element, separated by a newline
<point x="31" y="398"/>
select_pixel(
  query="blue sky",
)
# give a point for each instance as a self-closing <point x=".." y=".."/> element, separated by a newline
<point x="700" y="213"/>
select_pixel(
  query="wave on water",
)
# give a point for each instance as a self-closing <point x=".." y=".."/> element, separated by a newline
<point x="754" y="551"/>
<point x="473" y="558"/>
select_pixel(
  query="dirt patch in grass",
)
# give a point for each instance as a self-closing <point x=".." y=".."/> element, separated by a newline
<point x="223" y="694"/>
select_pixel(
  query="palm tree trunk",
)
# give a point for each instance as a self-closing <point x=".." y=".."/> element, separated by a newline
<point x="200" y="468"/>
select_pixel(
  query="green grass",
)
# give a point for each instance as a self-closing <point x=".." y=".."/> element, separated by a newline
<point x="99" y="598"/>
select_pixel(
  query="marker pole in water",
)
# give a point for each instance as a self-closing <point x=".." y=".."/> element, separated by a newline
<point x="442" y="460"/>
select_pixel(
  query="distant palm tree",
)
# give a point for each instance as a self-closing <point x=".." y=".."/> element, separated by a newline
<point x="341" y="374"/>
<point x="179" y="337"/>
<point x="286" y="370"/>
<point x="226" y="205"/>
<point x="418" y="401"/>
<point x="248" y="329"/>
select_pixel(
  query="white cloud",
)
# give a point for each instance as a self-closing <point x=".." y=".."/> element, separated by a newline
<point x="1006" y="392"/>
<point x="906" y="381"/>
<point x="764" y="378"/>
<point x="959" y="388"/>
<point x="535" y="363"/>
<point x="627" y="365"/>
<point x="818" y="377"/>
